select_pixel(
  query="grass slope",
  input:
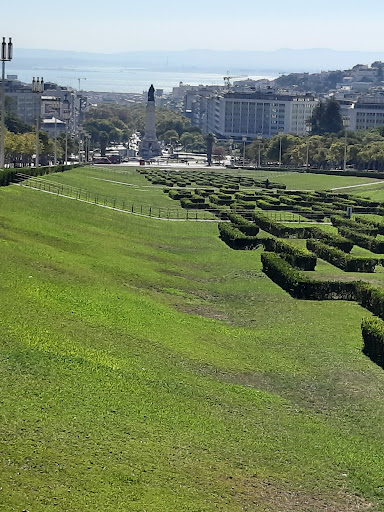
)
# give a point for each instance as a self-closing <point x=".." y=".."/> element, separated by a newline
<point x="146" y="366"/>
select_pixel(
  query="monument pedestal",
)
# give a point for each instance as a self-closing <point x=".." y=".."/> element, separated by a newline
<point x="150" y="147"/>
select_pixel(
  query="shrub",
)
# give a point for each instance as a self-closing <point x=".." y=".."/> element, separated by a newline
<point x="179" y="194"/>
<point x="187" y="203"/>
<point x="300" y="286"/>
<point x="298" y="257"/>
<point x="368" y="229"/>
<point x="235" y="239"/>
<point x="341" y="260"/>
<point x="371" y="222"/>
<point x="366" y="241"/>
<point x="215" y="198"/>
<point x="246" y="227"/>
<point x="243" y="205"/>
<point x="372" y="330"/>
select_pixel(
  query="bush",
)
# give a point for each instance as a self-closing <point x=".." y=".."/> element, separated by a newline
<point x="185" y="202"/>
<point x="8" y="176"/>
<point x="282" y="231"/>
<point x="235" y="239"/>
<point x="216" y="199"/>
<point x="372" y="330"/>
<point x="370" y="222"/>
<point x="246" y="227"/>
<point x="300" y="286"/>
<point x="341" y="260"/>
<point x="368" y="229"/>
<point x="366" y="241"/>
<point x="179" y="194"/>
<point x="298" y="257"/>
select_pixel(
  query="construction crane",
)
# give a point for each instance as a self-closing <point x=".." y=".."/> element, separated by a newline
<point x="79" y="79"/>
<point x="227" y="79"/>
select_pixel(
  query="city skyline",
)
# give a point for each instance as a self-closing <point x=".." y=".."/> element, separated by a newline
<point x="90" y="27"/>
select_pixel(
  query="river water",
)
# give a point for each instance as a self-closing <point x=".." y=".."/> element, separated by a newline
<point x="118" y="79"/>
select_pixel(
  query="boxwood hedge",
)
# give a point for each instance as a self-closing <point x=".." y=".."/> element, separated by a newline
<point x="340" y="259"/>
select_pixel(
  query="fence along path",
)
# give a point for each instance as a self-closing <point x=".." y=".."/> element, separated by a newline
<point x="145" y="210"/>
<point x="113" y="203"/>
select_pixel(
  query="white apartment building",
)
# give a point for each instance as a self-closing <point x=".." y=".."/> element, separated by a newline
<point x="364" y="113"/>
<point x="257" y="114"/>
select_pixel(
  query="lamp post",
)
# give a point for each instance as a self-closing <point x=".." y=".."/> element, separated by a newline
<point x="280" y="149"/>
<point x="346" y="121"/>
<point x="55" y="106"/>
<point x="308" y="127"/>
<point x="260" y="137"/>
<point x="38" y="88"/>
<point x="66" y="117"/>
<point x="244" y="139"/>
<point x="6" y="56"/>
<point x="230" y="148"/>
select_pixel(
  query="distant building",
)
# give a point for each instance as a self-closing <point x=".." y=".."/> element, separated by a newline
<point x="253" y="114"/>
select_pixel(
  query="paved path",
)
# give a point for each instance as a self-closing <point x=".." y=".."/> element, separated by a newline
<point x="361" y="185"/>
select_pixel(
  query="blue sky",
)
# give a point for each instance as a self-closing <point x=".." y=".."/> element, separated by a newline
<point x="248" y="24"/>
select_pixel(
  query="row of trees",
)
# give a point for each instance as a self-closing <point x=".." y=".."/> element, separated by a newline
<point x="364" y="149"/>
<point x="115" y="124"/>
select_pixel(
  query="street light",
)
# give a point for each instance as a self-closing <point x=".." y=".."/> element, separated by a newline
<point x="280" y="147"/>
<point x="346" y="121"/>
<point x="66" y="117"/>
<point x="38" y="88"/>
<point x="260" y="138"/>
<point x="244" y="139"/>
<point x="308" y="127"/>
<point x="6" y="56"/>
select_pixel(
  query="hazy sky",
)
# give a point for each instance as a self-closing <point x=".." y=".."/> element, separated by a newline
<point x="248" y="24"/>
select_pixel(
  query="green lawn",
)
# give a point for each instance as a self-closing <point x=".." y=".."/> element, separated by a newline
<point x="145" y="366"/>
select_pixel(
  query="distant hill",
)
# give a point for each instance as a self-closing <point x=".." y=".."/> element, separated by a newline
<point x="236" y="62"/>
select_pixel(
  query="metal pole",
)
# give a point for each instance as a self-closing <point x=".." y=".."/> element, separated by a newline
<point x="259" y="156"/>
<point x="345" y="150"/>
<point x="307" y="161"/>
<point x="2" y="146"/>
<point x="66" y="143"/>
<point x="55" y="154"/>
<point x="38" y="134"/>
<point x="280" y="151"/>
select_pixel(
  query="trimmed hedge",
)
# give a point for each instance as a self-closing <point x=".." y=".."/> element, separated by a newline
<point x="221" y="199"/>
<point x="371" y="222"/>
<point x="186" y="202"/>
<point x="179" y="194"/>
<point x="366" y="241"/>
<point x="300" y="286"/>
<point x="235" y="239"/>
<point x="367" y="229"/>
<point x="8" y="176"/>
<point x="246" y="227"/>
<point x="341" y="260"/>
<point x="282" y="231"/>
<point x="298" y="257"/>
<point x="372" y="330"/>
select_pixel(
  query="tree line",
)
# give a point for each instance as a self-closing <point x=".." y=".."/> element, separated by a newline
<point x="112" y="124"/>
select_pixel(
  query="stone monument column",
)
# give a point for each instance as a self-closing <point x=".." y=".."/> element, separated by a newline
<point x="150" y="147"/>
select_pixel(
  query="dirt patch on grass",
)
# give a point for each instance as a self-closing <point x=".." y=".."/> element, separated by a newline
<point x="203" y="310"/>
<point x="276" y="497"/>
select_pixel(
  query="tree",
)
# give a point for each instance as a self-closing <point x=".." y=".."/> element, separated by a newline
<point x="210" y="140"/>
<point x="326" y="118"/>
<point x="218" y="153"/>
<point x="104" y="140"/>
<point x="170" y="136"/>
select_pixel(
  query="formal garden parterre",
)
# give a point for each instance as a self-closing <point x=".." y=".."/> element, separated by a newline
<point x="150" y="367"/>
